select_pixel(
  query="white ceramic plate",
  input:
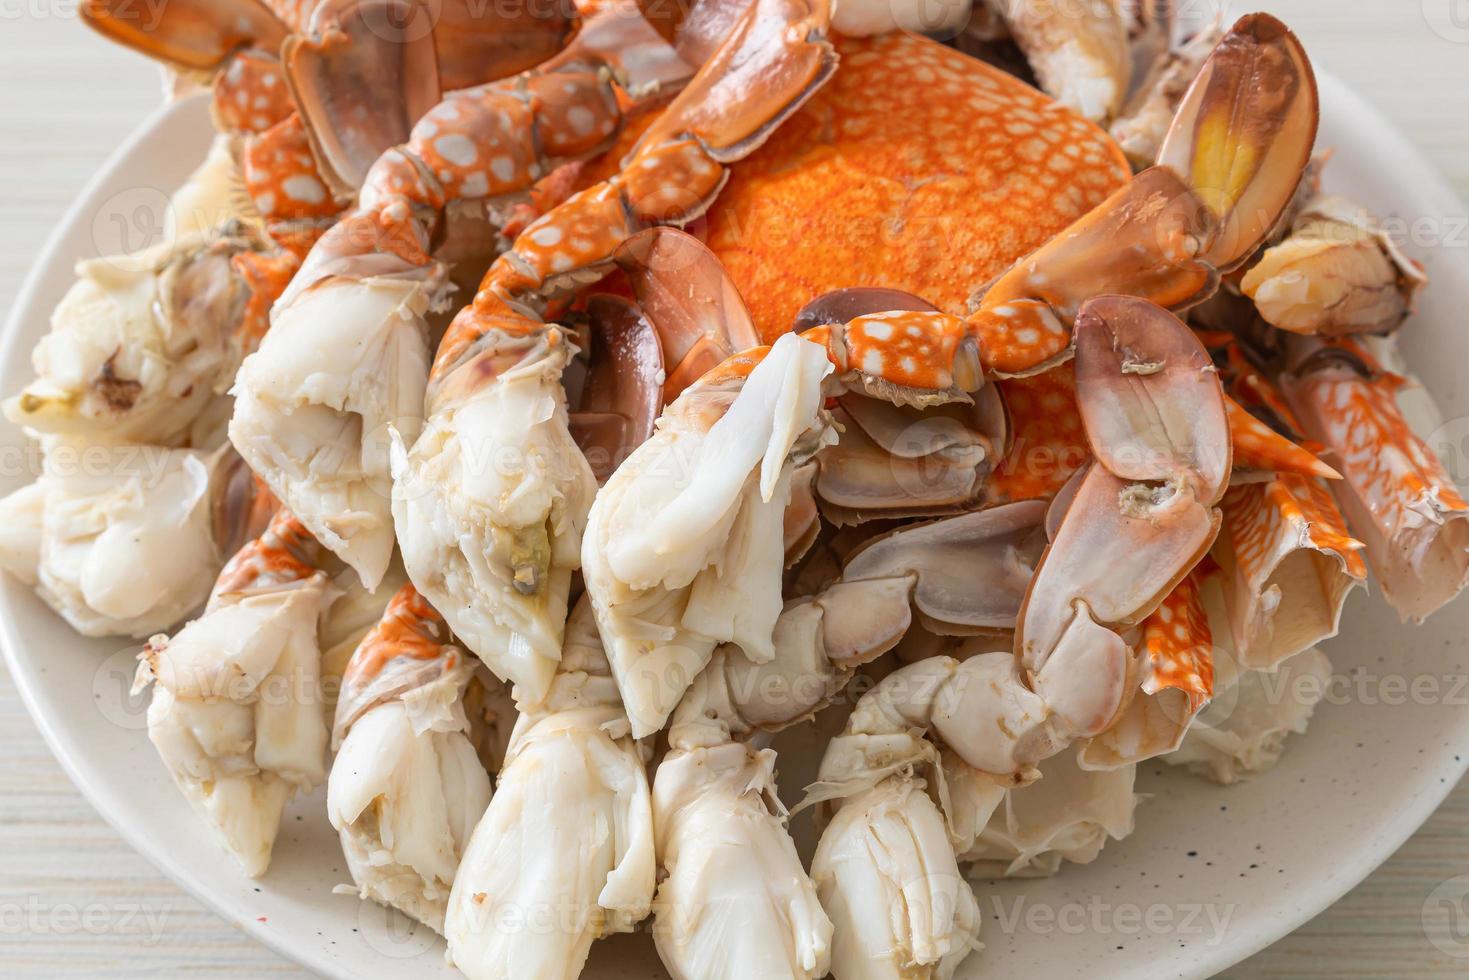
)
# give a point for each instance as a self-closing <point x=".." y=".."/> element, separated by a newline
<point x="1211" y="874"/>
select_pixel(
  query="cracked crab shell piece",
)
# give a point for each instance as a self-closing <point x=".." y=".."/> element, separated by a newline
<point x="1336" y="273"/>
<point x="1069" y="814"/>
<point x="691" y="302"/>
<point x="735" y="901"/>
<point x="1397" y="497"/>
<point x="1287" y="566"/>
<point x="1143" y="123"/>
<point x="1150" y="397"/>
<point x="1079" y="53"/>
<point x="568" y="834"/>
<point x="685" y="544"/>
<point x="345" y="361"/>
<point x="623" y="393"/>
<point x="490" y="503"/>
<point x="971" y="572"/>
<point x="1245" y="730"/>
<point x="141" y="344"/>
<point x="237" y="712"/>
<point x="406" y="787"/>
<point x="105" y="512"/>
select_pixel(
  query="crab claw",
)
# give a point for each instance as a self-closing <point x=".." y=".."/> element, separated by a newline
<point x="685" y="544"/>
<point x="193" y="34"/>
<point x="692" y="303"/>
<point x="565" y="853"/>
<point x="406" y="787"/>
<point x="1150" y="397"/>
<point x="623" y="393"/>
<point x="363" y="77"/>
<point x="490" y="501"/>
<point x="1397" y="496"/>
<point x="1288" y="566"/>
<point x="1260" y="449"/>
<point x="1243" y="134"/>
<point x="1227" y="171"/>
<point x="346" y="360"/>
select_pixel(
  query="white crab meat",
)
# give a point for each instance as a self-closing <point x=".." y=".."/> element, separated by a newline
<point x="141" y="346"/>
<point x="490" y="503"/>
<point x="237" y="712"/>
<point x="564" y="855"/>
<point x="344" y="361"/>
<point x="735" y="901"/>
<point x="119" y="540"/>
<point x="685" y="544"/>
<point x="886" y="873"/>
<point x="405" y="792"/>
<point x="1244" y="729"/>
<point x="1068" y="814"/>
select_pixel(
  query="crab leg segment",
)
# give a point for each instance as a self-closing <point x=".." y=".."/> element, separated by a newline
<point x="406" y="787"/>
<point x="1138" y="520"/>
<point x="1396" y="494"/>
<point x="1233" y="157"/>
<point x="568" y="834"/>
<point x="236" y="711"/>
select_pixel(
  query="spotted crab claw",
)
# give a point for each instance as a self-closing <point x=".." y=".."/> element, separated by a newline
<point x="142" y="346"/>
<point x="1336" y="273"/>
<point x="568" y="834"/>
<point x="406" y="787"/>
<point x="685" y="544"/>
<point x="1229" y="167"/>
<point x="490" y="502"/>
<point x="1137" y="520"/>
<point x="237" y="711"/>
<point x="1398" y="498"/>
<point x="99" y="513"/>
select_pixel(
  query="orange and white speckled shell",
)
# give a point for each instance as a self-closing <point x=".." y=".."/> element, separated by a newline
<point x="917" y="168"/>
<point x="1049" y="441"/>
<point x="1265" y="524"/>
<point x="1179" y="646"/>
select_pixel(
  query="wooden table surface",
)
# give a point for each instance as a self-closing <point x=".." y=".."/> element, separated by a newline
<point x="76" y="901"/>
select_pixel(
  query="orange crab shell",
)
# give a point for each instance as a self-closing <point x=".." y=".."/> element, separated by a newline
<point x="915" y="168"/>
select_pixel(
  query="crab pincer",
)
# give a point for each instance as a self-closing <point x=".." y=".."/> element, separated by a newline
<point x="406" y="787"/>
<point x="236" y="711"/>
<point x="569" y="833"/>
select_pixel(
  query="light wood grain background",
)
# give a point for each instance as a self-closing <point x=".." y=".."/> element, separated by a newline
<point x="76" y="901"/>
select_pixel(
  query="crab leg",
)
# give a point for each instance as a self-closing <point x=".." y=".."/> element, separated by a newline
<point x="569" y="833"/>
<point x="1396" y="494"/>
<point x="316" y="424"/>
<point x="237" y="711"/>
<point x="406" y="787"/>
